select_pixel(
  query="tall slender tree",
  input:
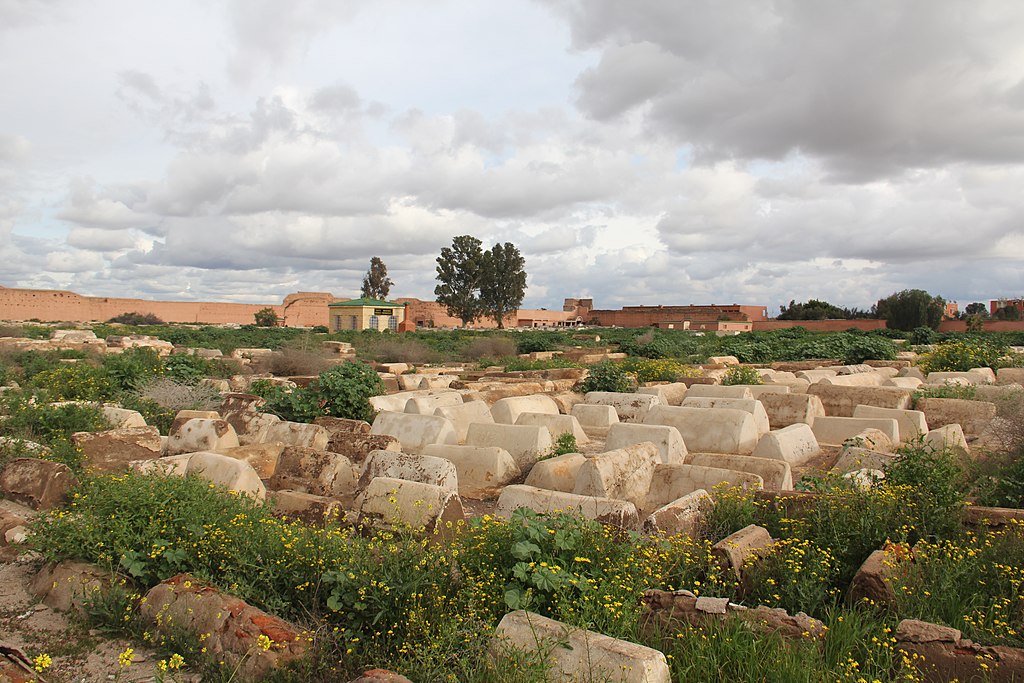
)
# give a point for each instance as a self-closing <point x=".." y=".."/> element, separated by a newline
<point x="503" y="284"/>
<point x="459" y="271"/>
<point x="376" y="283"/>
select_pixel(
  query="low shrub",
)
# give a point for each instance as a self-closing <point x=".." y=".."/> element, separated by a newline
<point x="608" y="376"/>
<point x="658" y="369"/>
<point x="742" y="374"/>
<point x="533" y="342"/>
<point x="490" y="347"/>
<point x="565" y="443"/>
<point x="140" y="319"/>
<point x="341" y="391"/>
<point x="74" y="382"/>
<point x="516" y="364"/>
<point x="795" y="575"/>
<point x="388" y="349"/>
<point x="974" y="583"/>
<point x="962" y="355"/>
<point x="136" y="366"/>
<point x="949" y="390"/>
<point x="288" y="362"/>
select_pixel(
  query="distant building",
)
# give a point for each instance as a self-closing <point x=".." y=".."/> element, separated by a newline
<point x="952" y="311"/>
<point x="999" y="304"/>
<point x="366" y="314"/>
<point x="661" y="316"/>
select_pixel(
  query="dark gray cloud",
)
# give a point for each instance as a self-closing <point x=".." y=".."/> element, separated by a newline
<point x="870" y="90"/>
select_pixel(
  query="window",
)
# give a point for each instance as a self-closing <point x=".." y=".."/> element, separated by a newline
<point x="393" y="323"/>
<point x="374" y="322"/>
<point x="353" y="322"/>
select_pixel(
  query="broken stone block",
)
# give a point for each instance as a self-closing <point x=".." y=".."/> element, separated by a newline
<point x="682" y="516"/>
<point x="912" y="423"/>
<point x="426" y="469"/>
<point x="556" y="425"/>
<point x="464" y="415"/>
<point x="943" y="654"/>
<point x="629" y="407"/>
<point x="428" y="404"/>
<point x="507" y="410"/>
<point x="794" y="444"/>
<point x="619" y="513"/>
<point x="111" y="450"/>
<point x="973" y="416"/>
<point x="834" y="431"/>
<point x="298" y="434"/>
<point x="122" y="418"/>
<point x="669" y="393"/>
<point x="784" y="410"/>
<point x="671" y="482"/>
<point x="566" y="400"/>
<point x="235" y="475"/>
<point x="709" y="430"/>
<point x="557" y="473"/>
<point x="577" y="654"/>
<point x="665" y="611"/>
<point x="39" y="484"/>
<point x="229" y="628"/>
<point x="775" y="474"/>
<point x="718" y="391"/>
<point x="402" y="502"/>
<point x="357" y="447"/>
<point x="854" y="459"/>
<point x="200" y="434"/>
<point x="183" y="416"/>
<point x="872" y="582"/>
<point x="321" y="473"/>
<point x="335" y="425"/>
<point x="746" y="545"/>
<point x="668" y="440"/>
<point x="415" y="432"/>
<point x="262" y="457"/>
<point x="595" y="420"/>
<point x="69" y="585"/>
<point x="840" y="401"/>
<point x="746" y="404"/>
<point x="948" y="436"/>
<point x="482" y="471"/>
<point x="307" y="507"/>
<point x="623" y="474"/>
<point x="524" y="443"/>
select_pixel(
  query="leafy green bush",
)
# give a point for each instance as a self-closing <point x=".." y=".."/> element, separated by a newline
<point x="608" y="376"/>
<point x="133" y="368"/>
<point x="565" y="443"/>
<point x="922" y="335"/>
<point x="187" y="368"/>
<point x="532" y="342"/>
<point x="342" y="391"/>
<point x="743" y="375"/>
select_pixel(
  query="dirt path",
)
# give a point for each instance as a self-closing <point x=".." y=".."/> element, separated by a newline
<point x="79" y="654"/>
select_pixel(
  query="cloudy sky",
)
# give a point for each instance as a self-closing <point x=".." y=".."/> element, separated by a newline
<point x="642" y="152"/>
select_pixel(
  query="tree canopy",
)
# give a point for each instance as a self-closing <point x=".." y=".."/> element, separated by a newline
<point x="376" y="283"/>
<point x="459" y="270"/>
<point x="474" y="283"/>
<point x="503" y="284"/>
<point x="815" y="309"/>
<point x="910" y="309"/>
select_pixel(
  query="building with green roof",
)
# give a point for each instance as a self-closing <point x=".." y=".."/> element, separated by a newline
<point x="366" y="314"/>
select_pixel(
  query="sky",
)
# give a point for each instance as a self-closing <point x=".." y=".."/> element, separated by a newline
<point x="642" y="152"/>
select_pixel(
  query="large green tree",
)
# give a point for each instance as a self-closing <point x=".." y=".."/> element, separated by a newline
<point x="503" y="284"/>
<point x="910" y="309"/>
<point x="459" y="272"/>
<point x="376" y="283"/>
